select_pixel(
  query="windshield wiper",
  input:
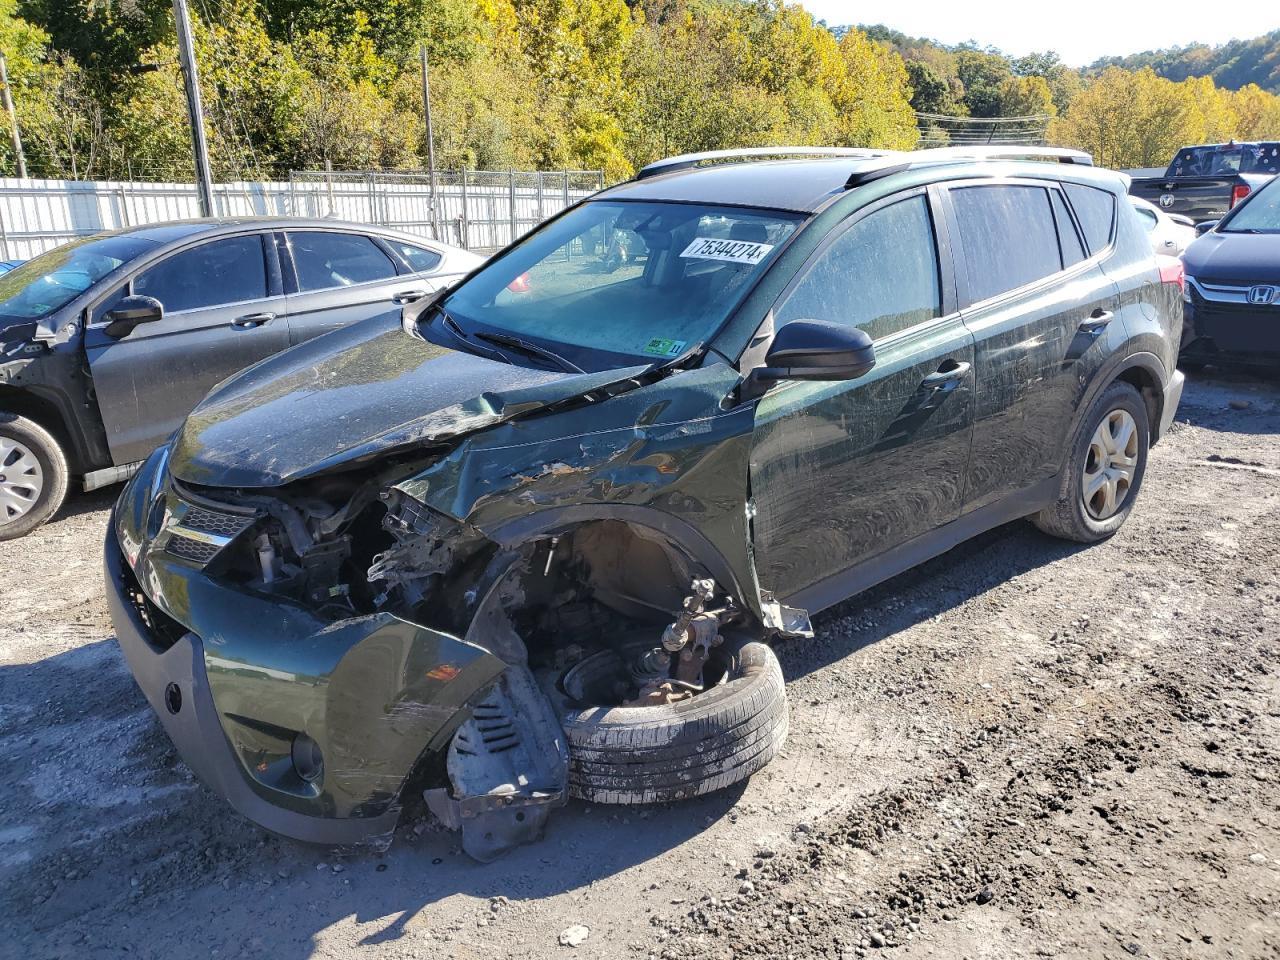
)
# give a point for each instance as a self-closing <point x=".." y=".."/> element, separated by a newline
<point x="526" y="348"/>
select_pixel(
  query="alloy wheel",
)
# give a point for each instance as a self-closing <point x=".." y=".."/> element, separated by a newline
<point x="1110" y="465"/>
<point x="21" y="480"/>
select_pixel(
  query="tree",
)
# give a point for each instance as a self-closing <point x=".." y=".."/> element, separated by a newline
<point x="1128" y="119"/>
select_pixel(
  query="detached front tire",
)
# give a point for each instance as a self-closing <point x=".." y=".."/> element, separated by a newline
<point x="1105" y="470"/>
<point x="33" y="476"/>
<point x="658" y="754"/>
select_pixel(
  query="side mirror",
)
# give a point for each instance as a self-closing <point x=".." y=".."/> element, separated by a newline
<point x="817" y="350"/>
<point x="130" y="312"/>
<point x="1205" y="226"/>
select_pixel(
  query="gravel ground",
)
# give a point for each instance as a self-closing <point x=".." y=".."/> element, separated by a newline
<point x="1023" y="748"/>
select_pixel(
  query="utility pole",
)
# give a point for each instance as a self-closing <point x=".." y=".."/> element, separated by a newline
<point x="431" y="139"/>
<point x="199" y="147"/>
<point x="13" y="118"/>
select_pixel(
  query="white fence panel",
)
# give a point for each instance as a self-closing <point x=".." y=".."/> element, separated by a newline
<point x="479" y="209"/>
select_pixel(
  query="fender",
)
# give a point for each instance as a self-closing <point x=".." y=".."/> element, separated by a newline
<point x="1122" y="362"/>
<point x="739" y="581"/>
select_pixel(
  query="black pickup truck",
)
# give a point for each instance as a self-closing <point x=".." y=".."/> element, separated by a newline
<point x="1204" y="182"/>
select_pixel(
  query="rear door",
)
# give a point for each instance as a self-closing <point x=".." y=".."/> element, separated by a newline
<point x="222" y="302"/>
<point x="842" y="472"/>
<point x="339" y="277"/>
<point x="1042" y="315"/>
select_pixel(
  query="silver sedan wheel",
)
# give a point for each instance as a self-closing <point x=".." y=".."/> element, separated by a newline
<point x="1110" y="465"/>
<point x="21" y="480"/>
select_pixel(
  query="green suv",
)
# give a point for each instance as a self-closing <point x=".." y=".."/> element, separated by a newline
<point x="532" y="538"/>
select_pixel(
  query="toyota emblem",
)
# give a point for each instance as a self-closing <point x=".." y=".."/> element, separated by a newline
<point x="1166" y="199"/>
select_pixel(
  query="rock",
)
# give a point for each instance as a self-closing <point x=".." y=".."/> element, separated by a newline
<point x="984" y="895"/>
<point x="1240" y="404"/>
<point x="764" y="853"/>
<point x="877" y="941"/>
<point x="1257" y="858"/>
<point x="1133" y="948"/>
<point x="574" y="936"/>
<point x="747" y="887"/>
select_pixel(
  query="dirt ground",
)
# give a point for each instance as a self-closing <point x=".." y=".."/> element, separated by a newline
<point x="1024" y="748"/>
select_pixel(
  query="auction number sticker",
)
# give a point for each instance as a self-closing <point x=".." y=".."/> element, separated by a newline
<point x="732" y="251"/>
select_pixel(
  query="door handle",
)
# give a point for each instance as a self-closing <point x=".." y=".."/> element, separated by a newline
<point x="1097" y="321"/>
<point x="948" y="376"/>
<point x="251" y="320"/>
<point x="408" y="296"/>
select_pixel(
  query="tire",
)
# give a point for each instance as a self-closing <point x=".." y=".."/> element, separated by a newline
<point x="1071" y="518"/>
<point x="35" y="475"/>
<point x="657" y="754"/>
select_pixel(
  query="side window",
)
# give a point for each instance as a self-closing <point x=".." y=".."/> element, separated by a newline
<point x="420" y="260"/>
<point x="881" y="274"/>
<point x="1068" y="236"/>
<point x="210" y="275"/>
<point x="1096" y="211"/>
<point x="1148" y="218"/>
<point x="325" y="260"/>
<point x="1008" y="235"/>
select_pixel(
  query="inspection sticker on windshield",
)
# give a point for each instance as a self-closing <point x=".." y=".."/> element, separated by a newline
<point x="662" y="347"/>
<point x="734" y="251"/>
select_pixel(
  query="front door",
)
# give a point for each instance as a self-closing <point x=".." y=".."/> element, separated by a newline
<point x="219" y="317"/>
<point x="338" y="279"/>
<point x="1041" y="314"/>
<point x="842" y="472"/>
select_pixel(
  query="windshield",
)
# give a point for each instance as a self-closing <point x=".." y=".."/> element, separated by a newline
<point x="1221" y="161"/>
<point x="52" y="280"/>
<point x="613" y="282"/>
<point x="1259" y="214"/>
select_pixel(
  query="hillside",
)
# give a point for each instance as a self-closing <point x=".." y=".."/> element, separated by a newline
<point x="1231" y="65"/>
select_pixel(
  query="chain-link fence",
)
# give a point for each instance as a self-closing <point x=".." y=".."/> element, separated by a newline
<point x="478" y="209"/>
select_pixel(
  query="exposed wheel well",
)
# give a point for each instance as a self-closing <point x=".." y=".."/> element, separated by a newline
<point x="43" y="412"/>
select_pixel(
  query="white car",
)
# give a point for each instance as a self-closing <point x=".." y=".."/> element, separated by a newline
<point x="1169" y="232"/>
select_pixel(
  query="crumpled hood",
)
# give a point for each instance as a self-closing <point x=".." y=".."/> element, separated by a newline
<point x="1234" y="258"/>
<point x="354" y="394"/>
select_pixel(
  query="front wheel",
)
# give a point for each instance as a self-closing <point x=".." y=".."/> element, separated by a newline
<point x="1105" y="470"/>
<point x="33" y="476"/>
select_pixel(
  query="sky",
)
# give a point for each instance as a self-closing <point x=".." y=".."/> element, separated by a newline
<point x="1080" y="31"/>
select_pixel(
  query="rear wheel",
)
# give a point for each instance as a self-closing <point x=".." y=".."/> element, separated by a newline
<point x="1104" y="473"/>
<point x="33" y="476"/>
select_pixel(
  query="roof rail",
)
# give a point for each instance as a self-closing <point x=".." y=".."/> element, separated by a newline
<point x="687" y="160"/>
<point x="880" y="163"/>
<point x="1006" y="152"/>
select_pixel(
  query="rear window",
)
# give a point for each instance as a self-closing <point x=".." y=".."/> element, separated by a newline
<point x="1095" y="210"/>
<point x="1009" y="237"/>
<point x="1224" y="160"/>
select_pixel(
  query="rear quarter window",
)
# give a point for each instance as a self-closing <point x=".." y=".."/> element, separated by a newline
<point x="1095" y="210"/>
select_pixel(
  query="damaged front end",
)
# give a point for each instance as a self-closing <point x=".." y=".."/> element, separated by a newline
<point x="449" y="615"/>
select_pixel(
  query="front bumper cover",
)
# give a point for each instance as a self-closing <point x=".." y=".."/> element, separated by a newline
<point x="389" y="693"/>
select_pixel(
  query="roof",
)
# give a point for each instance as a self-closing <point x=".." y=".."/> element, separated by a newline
<point x="810" y="176"/>
<point x="176" y="230"/>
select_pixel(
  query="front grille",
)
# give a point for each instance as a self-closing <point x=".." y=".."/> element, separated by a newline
<point x="1238" y="327"/>
<point x="220" y="524"/>
<point x="196" y="551"/>
<point x="197" y="529"/>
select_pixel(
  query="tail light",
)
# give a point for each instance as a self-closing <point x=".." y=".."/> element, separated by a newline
<point x="520" y="284"/>
<point x="1239" y="192"/>
<point x="1171" y="271"/>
